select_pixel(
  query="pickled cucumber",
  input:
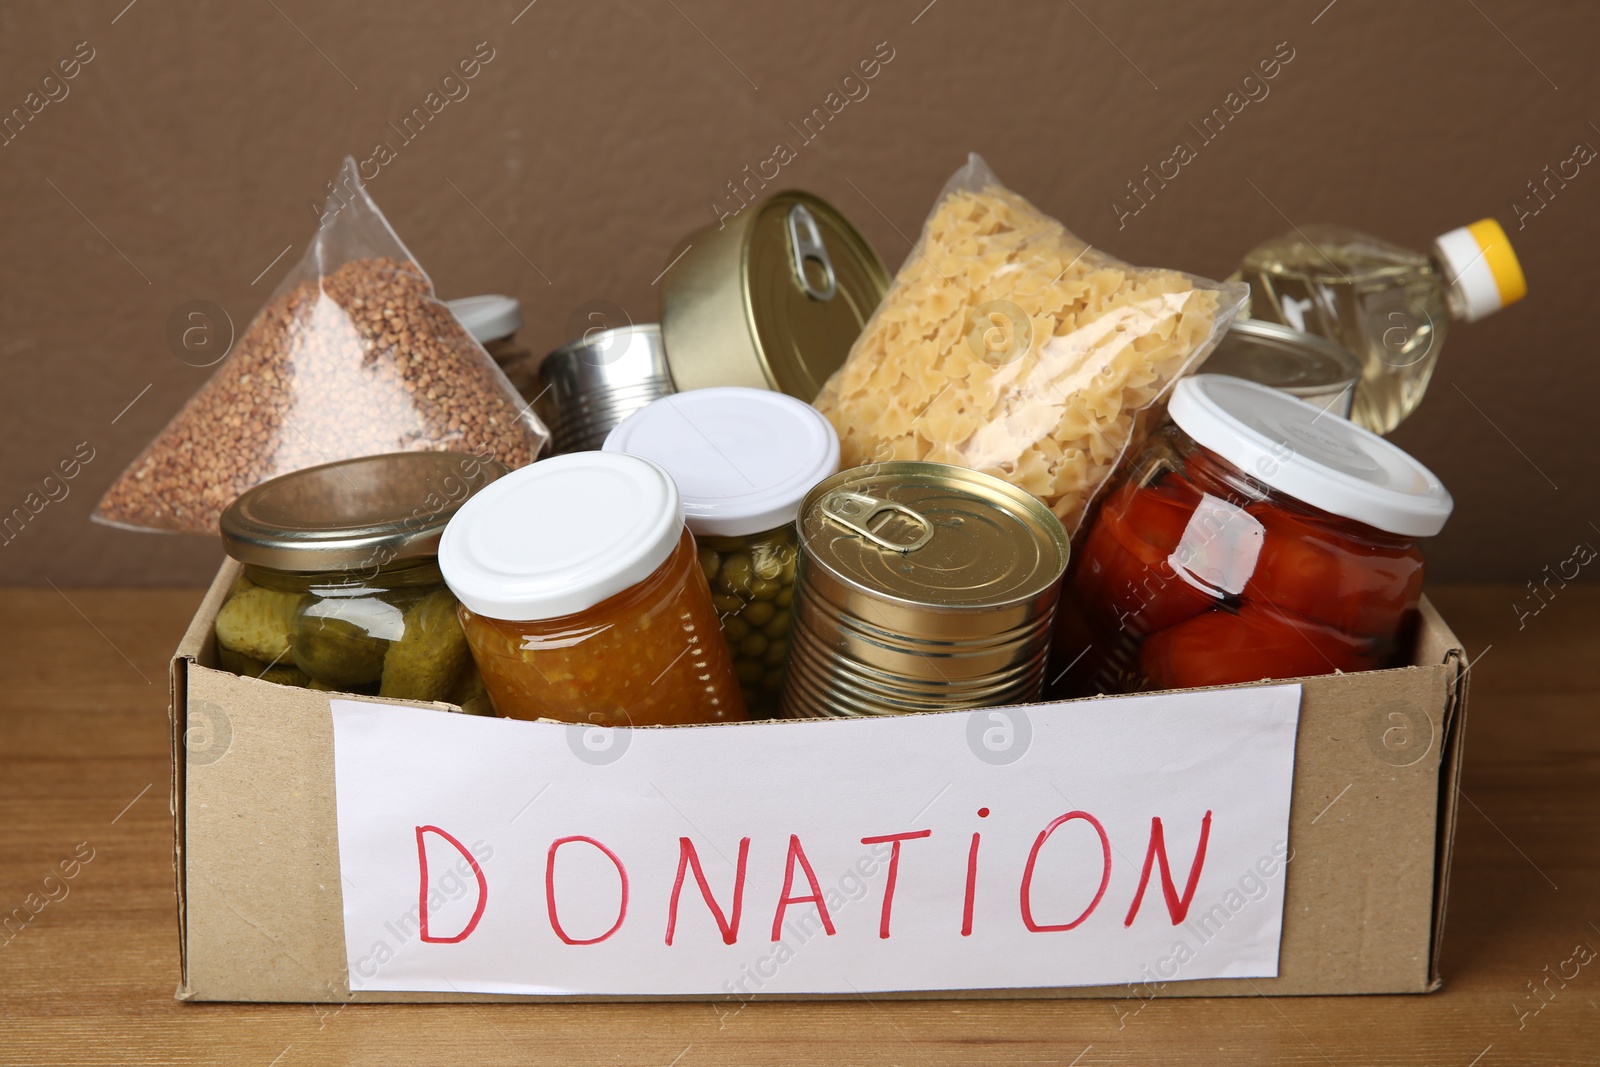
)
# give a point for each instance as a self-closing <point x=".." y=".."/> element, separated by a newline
<point x="365" y="689"/>
<point x="335" y="651"/>
<point x="282" y="673"/>
<point x="427" y="660"/>
<point x="469" y="693"/>
<point x="257" y="622"/>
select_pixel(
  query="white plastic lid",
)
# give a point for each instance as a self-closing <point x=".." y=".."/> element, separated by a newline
<point x="743" y="459"/>
<point x="1318" y="459"/>
<point x="561" y="535"/>
<point x="487" y="318"/>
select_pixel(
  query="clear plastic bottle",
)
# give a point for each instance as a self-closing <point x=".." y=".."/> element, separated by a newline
<point x="1389" y="305"/>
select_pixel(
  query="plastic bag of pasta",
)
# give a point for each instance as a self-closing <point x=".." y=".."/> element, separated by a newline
<point x="1010" y="346"/>
<point x="352" y="355"/>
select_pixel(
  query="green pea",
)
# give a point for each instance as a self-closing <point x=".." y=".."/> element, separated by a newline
<point x="767" y="561"/>
<point x="736" y="574"/>
<point x="749" y="671"/>
<point x="775" y="653"/>
<point x="752" y="646"/>
<point x="727" y="604"/>
<point x="735" y="629"/>
<point x="759" y="613"/>
<point x="765" y="588"/>
<point x="710" y="562"/>
<point x="785" y="595"/>
<point x="777" y="626"/>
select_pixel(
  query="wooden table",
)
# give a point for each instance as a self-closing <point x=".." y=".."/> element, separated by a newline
<point x="89" y="979"/>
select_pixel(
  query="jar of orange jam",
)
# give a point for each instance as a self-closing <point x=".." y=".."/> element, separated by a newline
<point x="583" y="600"/>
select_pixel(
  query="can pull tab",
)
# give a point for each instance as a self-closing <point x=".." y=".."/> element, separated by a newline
<point x="856" y="512"/>
<point x="805" y="242"/>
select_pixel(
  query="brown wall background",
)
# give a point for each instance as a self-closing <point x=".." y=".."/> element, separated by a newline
<point x="183" y="158"/>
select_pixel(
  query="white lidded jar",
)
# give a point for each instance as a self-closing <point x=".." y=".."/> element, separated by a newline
<point x="582" y="597"/>
<point x="743" y="460"/>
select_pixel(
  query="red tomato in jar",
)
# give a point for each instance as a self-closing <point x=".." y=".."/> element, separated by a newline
<point x="1255" y="643"/>
<point x="1349" y="582"/>
<point x="1075" y="653"/>
<point x="1123" y="580"/>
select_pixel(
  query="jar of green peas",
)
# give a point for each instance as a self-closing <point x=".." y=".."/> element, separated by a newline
<point x="743" y="460"/>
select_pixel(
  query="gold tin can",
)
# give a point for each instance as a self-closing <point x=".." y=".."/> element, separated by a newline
<point x="921" y="587"/>
<point x="770" y="299"/>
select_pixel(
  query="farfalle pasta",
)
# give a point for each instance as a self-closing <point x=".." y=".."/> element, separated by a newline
<point x="1009" y="346"/>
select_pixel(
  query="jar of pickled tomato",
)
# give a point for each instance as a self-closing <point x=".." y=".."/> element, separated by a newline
<point x="583" y="600"/>
<point x="743" y="459"/>
<point x="1253" y="538"/>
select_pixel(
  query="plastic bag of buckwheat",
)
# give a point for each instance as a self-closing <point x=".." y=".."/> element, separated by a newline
<point x="352" y="355"/>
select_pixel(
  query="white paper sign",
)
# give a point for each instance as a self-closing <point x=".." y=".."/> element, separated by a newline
<point x="1135" y="839"/>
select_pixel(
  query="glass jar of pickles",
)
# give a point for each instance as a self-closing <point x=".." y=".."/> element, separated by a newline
<point x="341" y="588"/>
<point x="583" y="600"/>
<point x="743" y="460"/>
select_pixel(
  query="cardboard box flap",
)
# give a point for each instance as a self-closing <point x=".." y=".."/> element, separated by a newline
<point x="1453" y="746"/>
<point x="198" y="644"/>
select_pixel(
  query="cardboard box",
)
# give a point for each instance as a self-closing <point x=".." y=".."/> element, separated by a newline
<point x="260" y="912"/>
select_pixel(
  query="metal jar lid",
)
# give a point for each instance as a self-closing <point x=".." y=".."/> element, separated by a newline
<point x="354" y="513"/>
<point x="1301" y="364"/>
<point x="933" y="535"/>
<point x="772" y="298"/>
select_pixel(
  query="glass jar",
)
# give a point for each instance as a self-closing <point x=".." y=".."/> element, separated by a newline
<point x="743" y="459"/>
<point x="583" y="599"/>
<point x="340" y="588"/>
<point x="493" y="321"/>
<point x="752" y="589"/>
<point x="1251" y="539"/>
<point x="1312" y="368"/>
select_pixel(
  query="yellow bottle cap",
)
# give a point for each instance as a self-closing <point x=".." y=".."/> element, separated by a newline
<point x="1502" y="260"/>
<point x="1483" y="267"/>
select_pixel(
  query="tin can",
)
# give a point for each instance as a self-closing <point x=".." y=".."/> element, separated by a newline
<point x="1313" y="368"/>
<point x="921" y="587"/>
<point x="590" y="385"/>
<point x="772" y="298"/>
